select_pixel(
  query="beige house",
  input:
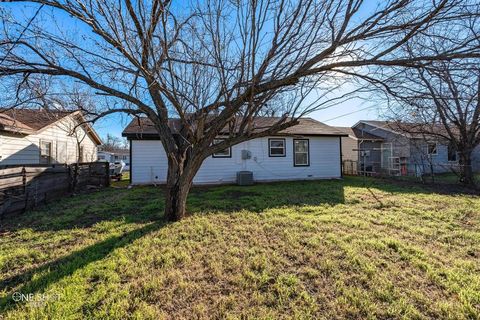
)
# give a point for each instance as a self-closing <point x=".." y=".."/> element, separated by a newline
<point x="35" y="136"/>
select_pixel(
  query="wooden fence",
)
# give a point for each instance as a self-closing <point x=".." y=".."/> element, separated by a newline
<point x="24" y="187"/>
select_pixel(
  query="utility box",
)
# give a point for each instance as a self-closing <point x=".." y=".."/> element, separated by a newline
<point x="244" y="178"/>
<point x="246" y="154"/>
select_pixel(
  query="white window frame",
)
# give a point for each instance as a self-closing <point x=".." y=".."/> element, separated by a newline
<point x="284" y="147"/>
<point x="63" y="143"/>
<point x="222" y="154"/>
<point x="50" y="156"/>
<point x="428" y="148"/>
<point x="295" y="152"/>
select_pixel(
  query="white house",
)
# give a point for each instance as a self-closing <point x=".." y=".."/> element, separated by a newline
<point x="115" y="155"/>
<point x="35" y="136"/>
<point x="309" y="150"/>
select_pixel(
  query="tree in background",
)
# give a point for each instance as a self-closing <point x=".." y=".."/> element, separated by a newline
<point x="217" y="65"/>
<point x="442" y="101"/>
<point x="112" y="143"/>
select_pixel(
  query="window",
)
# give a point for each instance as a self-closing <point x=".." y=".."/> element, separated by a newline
<point x="124" y="157"/>
<point x="431" y="148"/>
<point x="101" y="157"/>
<point x="276" y="147"/>
<point x="452" y="153"/>
<point x="45" y="152"/>
<point x="225" y="153"/>
<point x="301" y="156"/>
<point x="61" y="151"/>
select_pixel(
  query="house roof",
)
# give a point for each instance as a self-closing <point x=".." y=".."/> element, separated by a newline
<point x="409" y="129"/>
<point x="29" y="121"/>
<point x="359" y="134"/>
<point x="143" y="127"/>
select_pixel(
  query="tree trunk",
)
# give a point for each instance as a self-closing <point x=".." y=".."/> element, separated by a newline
<point x="466" y="172"/>
<point x="179" y="181"/>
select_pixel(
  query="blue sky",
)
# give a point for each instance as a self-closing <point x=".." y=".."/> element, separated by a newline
<point x="342" y="114"/>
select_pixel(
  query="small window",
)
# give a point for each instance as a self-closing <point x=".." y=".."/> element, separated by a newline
<point x="432" y="148"/>
<point x="225" y="153"/>
<point x="301" y="156"/>
<point x="45" y="152"/>
<point x="62" y="152"/>
<point x="452" y="153"/>
<point x="276" y="147"/>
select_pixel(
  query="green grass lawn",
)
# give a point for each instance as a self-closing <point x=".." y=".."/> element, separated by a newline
<point x="303" y="250"/>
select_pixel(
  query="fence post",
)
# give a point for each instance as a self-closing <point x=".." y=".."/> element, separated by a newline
<point x="75" y="176"/>
<point x="107" y="174"/>
<point x="24" y="179"/>
<point x="24" y="185"/>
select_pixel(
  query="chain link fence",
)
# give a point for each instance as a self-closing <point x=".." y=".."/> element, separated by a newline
<point x="434" y="173"/>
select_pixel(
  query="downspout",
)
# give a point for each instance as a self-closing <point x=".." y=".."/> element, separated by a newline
<point x="341" y="157"/>
<point x="131" y="162"/>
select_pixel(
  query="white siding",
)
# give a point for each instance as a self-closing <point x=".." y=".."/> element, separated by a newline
<point x="150" y="163"/>
<point x="25" y="149"/>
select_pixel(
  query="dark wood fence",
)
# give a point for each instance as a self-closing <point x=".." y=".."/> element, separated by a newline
<point x="25" y="187"/>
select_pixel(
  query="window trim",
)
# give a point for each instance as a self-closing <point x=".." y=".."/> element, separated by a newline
<point x="50" y="157"/>
<point x="58" y="143"/>
<point x="284" y="148"/>
<point x="308" y="153"/>
<point x="436" y="149"/>
<point x="222" y="156"/>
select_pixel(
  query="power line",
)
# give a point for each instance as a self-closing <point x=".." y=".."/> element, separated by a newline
<point x="349" y="113"/>
<point x="22" y="33"/>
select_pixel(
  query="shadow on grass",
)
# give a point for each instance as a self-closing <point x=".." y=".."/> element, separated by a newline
<point x="137" y="205"/>
<point x="146" y="203"/>
<point x="56" y="270"/>
<point x="262" y="196"/>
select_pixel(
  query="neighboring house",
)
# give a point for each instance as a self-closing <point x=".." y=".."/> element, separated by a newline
<point x="35" y="136"/>
<point x="115" y="155"/>
<point x="309" y="150"/>
<point x="404" y="153"/>
<point x="357" y="150"/>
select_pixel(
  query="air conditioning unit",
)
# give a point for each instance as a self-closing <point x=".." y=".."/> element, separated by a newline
<point x="244" y="178"/>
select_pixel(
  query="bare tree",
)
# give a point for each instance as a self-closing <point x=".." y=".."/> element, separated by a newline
<point x="442" y="101"/>
<point x="112" y="143"/>
<point x="217" y="65"/>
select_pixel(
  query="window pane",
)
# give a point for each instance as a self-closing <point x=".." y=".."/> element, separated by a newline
<point x="221" y="153"/>
<point x="277" y="151"/>
<point x="45" y="148"/>
<point x="452" y="153"/>
<point x="224" y="152"/>
<point x="276" y="143"/>
<point x="432" y="148"/>
<point x="301" y="158"/>
<point x="301" y="146"/>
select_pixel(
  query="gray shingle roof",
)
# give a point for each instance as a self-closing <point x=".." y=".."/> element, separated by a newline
<point x="306" y="126"/>
<point x="359" y="134"/>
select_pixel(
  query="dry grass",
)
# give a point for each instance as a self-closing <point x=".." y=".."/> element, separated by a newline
<point x="325" y="249"/>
